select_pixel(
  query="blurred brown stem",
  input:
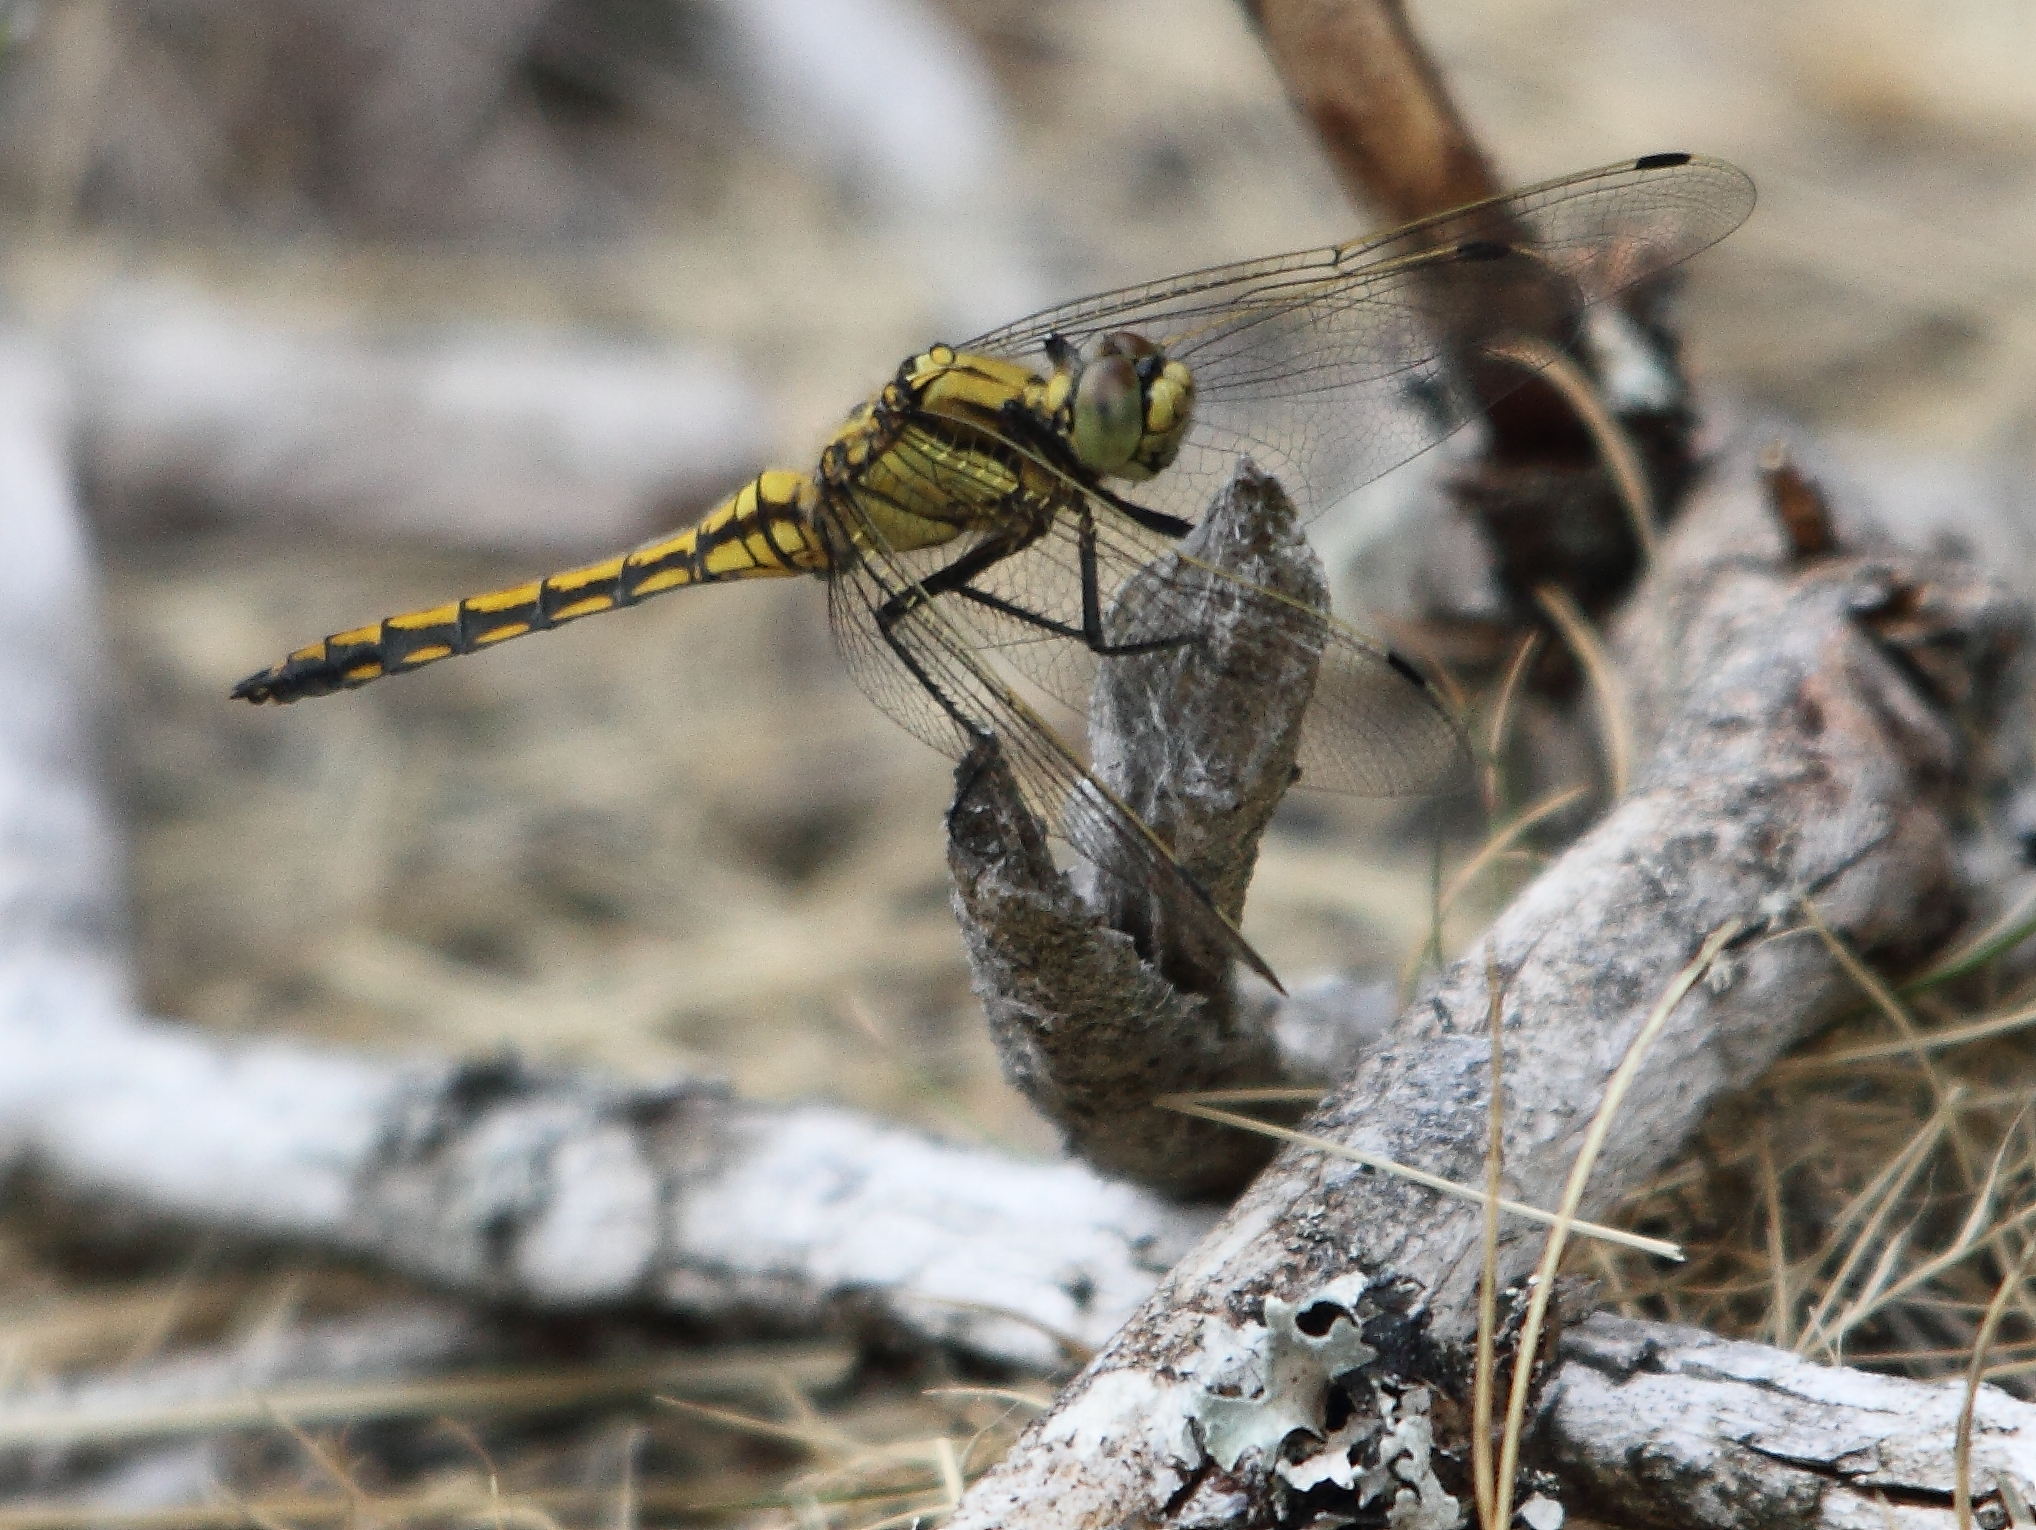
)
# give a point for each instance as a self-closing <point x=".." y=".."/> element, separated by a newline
<point x="1357" y="72"/>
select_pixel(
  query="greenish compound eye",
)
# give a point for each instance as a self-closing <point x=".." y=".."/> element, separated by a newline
<point x="1109" y="413"/>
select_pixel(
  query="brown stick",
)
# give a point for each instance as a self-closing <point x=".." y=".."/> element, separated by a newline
<point x="1356" y="71"/>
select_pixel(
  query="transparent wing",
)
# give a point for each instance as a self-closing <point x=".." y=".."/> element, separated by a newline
<point x="1375" y="728"/>
<point x="919" y="667"/>
<point x="1332" y="366"/>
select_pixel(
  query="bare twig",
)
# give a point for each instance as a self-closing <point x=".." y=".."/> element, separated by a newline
<point x="1362" y="80"/>
<point x="1670" y="1426"/>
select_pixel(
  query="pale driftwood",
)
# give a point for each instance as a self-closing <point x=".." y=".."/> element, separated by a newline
<point x="1100" y="1005"/>
<point x="550" y="446"/>
<point x="569" y="1194"/>
<point x="1659" y="1425"/>
<point x="1787" y="757"/>
<point x="550" y="1191"/>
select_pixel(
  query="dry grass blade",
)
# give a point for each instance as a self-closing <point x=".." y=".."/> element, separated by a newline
<point x="807" y="1433"/>
<point x="1992" y="943"/>
<point x="1615" y="448"/>
<point x="994" y="1394"/>
<point x="1961" y="1455"/>
<point x="928" y="1473"/>
<point x="356" y="1496"/>
<point x="1485" y="1374"/>
<point x="1497" y="846"/>
<point x="1502" y="840"/>
<point x="738" y="1373"/>
<point x="78" y="1329"/>
<point x="468" y="1506"/>
<point x="1877" y="1298"/>
<point x="1072" y="1349"/>
<point x="1983" y="1202"/>
<point x="1572" y="1196"/>
<point x="1268" y="1094"/>
<point x="952" y="1111"/>
<point x="950" y="1469"/>
<point x="1777" y="1243"/>
<point x="1886" y="1001"/>
<point x="1915" y="1045"/>
<point x="1190" y="1105"/>
<point x="1501" y="729"/>
<point x="1606" y="695"/>
<point x="2020" y="1516"/>
<point x="1883" y="1194"/>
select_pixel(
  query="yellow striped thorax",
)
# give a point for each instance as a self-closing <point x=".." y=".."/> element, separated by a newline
<point x="959" y="440"/>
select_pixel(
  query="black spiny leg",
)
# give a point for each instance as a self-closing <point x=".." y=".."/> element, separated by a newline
<point x="1092" y="605"/>
<point x="976" y="733"/>
<point x="954" y="580"/>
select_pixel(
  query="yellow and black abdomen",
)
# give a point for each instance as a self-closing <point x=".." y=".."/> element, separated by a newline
<point x="765" y="530"/>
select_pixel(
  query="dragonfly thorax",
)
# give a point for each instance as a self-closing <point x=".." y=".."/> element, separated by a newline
<point x="1122" y="403"/>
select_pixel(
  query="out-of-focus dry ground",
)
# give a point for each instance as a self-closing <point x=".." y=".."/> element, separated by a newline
<point x="681" y="832"/>
<point x="680" y="836"/>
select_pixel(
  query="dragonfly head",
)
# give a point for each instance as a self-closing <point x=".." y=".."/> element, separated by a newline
<point x="1125" y="405"/>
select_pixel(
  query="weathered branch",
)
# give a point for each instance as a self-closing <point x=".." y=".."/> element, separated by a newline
<point x="1360" y="77"/>
<point x="1659" y="1425"/>
<point x="569" y="1193"/>
<point x="1791" y="758"/>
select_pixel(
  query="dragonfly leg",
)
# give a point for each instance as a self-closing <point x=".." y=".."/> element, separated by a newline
<point x="941" y="581"/>
<point x="954" y="580"/>
<point x="1092" y="606"/>
<point x="973" y="730"/>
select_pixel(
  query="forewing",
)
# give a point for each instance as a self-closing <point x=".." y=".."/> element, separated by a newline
<point x="1331" y="366"/>
<point x="1375" y="727"/>
<point x="925" y="653"/>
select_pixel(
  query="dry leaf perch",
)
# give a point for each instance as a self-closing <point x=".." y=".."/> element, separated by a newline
<point x="1811" y="724"/>
<point x="1099" y="1007"/>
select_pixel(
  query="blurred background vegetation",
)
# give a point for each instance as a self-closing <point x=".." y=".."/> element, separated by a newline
<point x="679" y="837"/>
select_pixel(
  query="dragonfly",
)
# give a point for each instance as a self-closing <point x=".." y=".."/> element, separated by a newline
<point x="976" y="519"/>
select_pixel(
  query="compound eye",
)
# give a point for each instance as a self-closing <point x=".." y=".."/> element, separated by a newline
<point x="1109" y="414"/>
